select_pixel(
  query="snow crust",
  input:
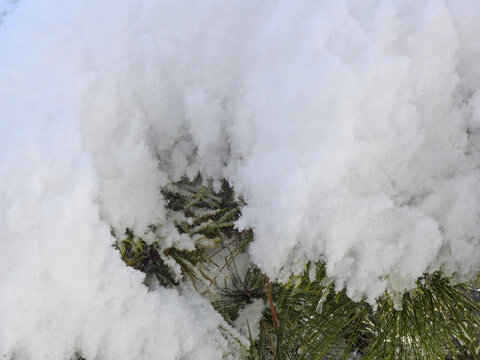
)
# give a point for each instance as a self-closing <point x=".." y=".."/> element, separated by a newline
<point x="350" y="128"/>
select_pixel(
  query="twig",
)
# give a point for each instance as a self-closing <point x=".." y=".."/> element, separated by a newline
<point x="268" y="292"/>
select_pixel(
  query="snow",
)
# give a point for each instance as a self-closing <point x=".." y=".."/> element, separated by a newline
<point x="6" y="7"/>
<point x="248" y="321"/>
<point x="351" y="129"/>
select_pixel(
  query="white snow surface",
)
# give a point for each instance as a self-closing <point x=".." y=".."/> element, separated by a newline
<point x="352" y="130"/>
<point x="249" y="317"/>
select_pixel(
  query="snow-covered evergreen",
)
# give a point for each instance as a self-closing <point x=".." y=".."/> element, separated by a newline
<point x="350" y="132"/>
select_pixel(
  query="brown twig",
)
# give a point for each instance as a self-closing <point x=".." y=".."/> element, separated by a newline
<point x="270" y="342"/>
<point x="268" y="292"/>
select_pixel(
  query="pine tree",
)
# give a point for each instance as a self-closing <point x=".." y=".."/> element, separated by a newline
<point x="304" y="318"/>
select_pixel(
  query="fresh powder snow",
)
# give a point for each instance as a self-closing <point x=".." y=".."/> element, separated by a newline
<point x="351" y="129"/>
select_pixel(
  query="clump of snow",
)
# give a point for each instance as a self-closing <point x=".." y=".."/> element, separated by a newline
<point x="350" y="128"/>
<point x="248" y="321"/>
<point x="364" y="160"/>
<point x="63" y="287"/>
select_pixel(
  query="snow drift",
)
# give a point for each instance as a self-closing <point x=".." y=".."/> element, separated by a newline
<point x="351" y="130"/>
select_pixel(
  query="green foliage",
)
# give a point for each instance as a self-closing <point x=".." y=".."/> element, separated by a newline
<point x="437" y="320"/>
<point x="207" y="217"/>
<point x="313" y="322"/>
<point x="146" y="258"/>
<point x="310" y="320"/>
<point x="304" y="318"/>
